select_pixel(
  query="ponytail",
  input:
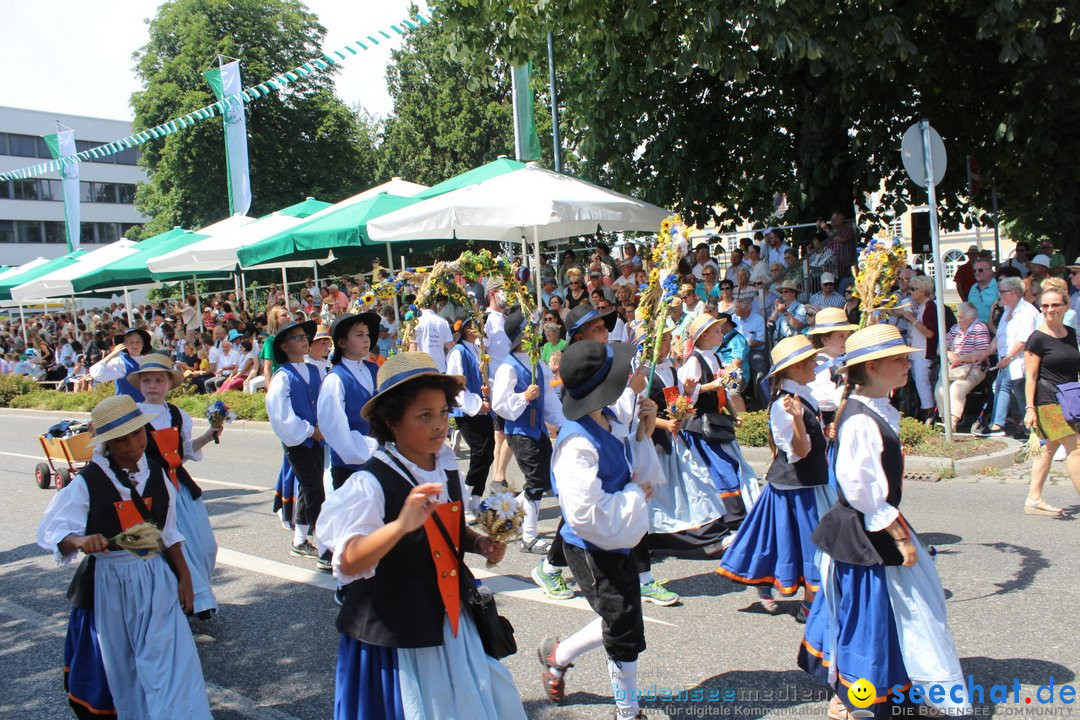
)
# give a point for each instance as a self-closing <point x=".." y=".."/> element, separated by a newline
<point x="856" y="377"/>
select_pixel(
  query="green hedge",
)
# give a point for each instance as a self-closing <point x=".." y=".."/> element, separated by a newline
<point x="755" y="430"/>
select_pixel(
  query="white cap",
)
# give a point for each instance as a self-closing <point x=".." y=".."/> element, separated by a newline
<point x="1040" y="259"/>
<point x="828" y="278"/>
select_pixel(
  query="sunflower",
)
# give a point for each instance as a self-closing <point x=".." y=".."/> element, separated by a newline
<point x="368" y="298"/>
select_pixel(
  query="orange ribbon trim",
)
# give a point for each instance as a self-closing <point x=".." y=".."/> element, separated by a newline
<point x="446" y="560"/>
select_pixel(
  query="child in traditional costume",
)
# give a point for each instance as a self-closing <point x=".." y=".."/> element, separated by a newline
<point x="409" y="647"/>
<point x="121" y="361"/>
<point x="472" y="415"/>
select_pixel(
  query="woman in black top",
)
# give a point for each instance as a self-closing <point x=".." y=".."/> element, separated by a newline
<point x="1050" y="360"/>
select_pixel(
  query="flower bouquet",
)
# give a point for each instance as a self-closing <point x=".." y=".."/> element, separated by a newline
<point x="671" y="246"/>
<point x="500" y="518"/>
<point x="142" y="540"/>
<point x="217" y="415"/>
<point x="879" y="263"/>
<point x="680" y="408"/>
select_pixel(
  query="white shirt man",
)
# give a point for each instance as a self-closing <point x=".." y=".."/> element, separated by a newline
<point x="434" y="337"/>
<point x="751" y="327"/>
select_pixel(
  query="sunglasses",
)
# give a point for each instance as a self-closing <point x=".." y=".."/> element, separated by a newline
<point x="1051" y="306"/>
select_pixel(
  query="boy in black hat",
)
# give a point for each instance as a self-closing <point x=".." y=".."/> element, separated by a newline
<point x="525" y="407"/>
<point x="602" y="478"/>
<point x="291" y="402"/>
<point x="473" y="412"/>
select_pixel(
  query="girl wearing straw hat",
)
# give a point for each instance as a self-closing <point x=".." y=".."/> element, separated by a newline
<point x="319" y="349"/>
<point x="129" y="650"/>
<point x="881" y="615"/>
<point x="122" y="360"/>
<point x="773" y="547"/>
<point x="397" y="531"/>
<point x="711" y="434"/>
<point x="829" y="332"/>
<point x="603" y="479"/>
<point x="169" y="443"/>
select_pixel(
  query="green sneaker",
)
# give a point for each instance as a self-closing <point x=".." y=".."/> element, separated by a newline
<point x="552" y="584"/>
<point x="654" y="592"/>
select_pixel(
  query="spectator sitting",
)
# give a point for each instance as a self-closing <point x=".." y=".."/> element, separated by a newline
<point x="969" y="347"/>
<point x="827" y="297"/>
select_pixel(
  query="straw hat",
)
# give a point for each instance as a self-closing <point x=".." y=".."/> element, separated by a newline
<point x="593" y="375"/>
<point x="399" y="369"/>
<point x="115" y="417"/>
<point x="699" y="327"/>
<point x="873" y="343"/>
<point x="321" y="333"/>
<point x="789" y="351"/>
<point x="156" y="363"/>
<point x="788" y="284"/>
<point x="831" y="320"/>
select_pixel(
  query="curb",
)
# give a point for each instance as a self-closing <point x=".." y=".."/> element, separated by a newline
<point x="921" y="467"/>
<point x="79" y="415"/>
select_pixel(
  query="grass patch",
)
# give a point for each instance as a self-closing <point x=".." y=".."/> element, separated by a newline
<point x="246" y="406"/>
<point x="959" y="448"/>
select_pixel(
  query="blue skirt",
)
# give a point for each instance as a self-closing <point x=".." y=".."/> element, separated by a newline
<point x="285" y="494"/>
<point x="452" y="681"/>
<point x="725" y="471"/>
<point x="200" y="548"/>
<point x="815" y="652"/>
<point x="773" y="545"/>
<point x="84" y="672"/>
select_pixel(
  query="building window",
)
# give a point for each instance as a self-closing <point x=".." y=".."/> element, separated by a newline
<point x="4" y="144"/>
<point x="108" y="232"/>
<point x="86" y="233"/>
<point x="5" y="190"/>
<point x="7" y="231"/>
<point x="127" y="156"/>
<point x="125" y="193"/>
<point x="55" y="232"/>
<point x="22" y="145"/>
<point x="27" y="231"/>
<point x="27" y="189"/>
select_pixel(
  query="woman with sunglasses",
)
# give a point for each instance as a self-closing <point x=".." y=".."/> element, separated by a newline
<point x="708" y="288"/>
<point x="576" y="293"/>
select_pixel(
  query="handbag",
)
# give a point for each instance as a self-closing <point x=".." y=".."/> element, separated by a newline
<point x="495" y="631"/>
<point x="1068" y="397"/>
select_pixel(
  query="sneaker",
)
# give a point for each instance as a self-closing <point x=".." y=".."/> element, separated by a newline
<point x="339" y="596"/>
<point x="801" y="615"/>
<point x="554" y="685"/>
<point x="654" y="592"/>
<point x="325" y="561"/>
<point x="977" y="428"/>
<point x="553" y="584"/>
<point x="991" y="432"/>
<point x="304" y="549"/>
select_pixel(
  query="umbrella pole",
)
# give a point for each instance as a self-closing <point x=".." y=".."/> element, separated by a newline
<point x="22" y="318"/>
<point x="198" y="305"/>
<point x="127" y="305"/>
<point x="243" y="289"/>
<point x="536" y="252"/>
<point x="315" y="269"/>
<point x="285" y="286"/>
<point x="390" y="262"/>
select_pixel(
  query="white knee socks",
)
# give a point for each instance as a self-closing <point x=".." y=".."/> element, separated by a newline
<point x="299" y="534"/>
<point x="532" y="517"/>
<point x="624" y="687"/>
<point x="587" y="638"/>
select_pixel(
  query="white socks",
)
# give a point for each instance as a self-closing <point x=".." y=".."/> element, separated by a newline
<point x="299" y="534"/>
<point x="646" y="577"/>
<point x="550" y="569"/>
<point x="624" y="687"/>
<point x="587" y="638"/>
<point x="532" y="516"/>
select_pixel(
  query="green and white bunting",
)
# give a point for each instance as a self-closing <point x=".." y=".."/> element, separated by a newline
<point x="62" y="147"/>
<point x="225" y="81"/>
<point x="247" y="95"/>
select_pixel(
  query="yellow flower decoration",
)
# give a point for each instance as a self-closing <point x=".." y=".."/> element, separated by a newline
<point x="524" y="289"/>
<point x="654" y="275"/>
<point x="479" y="267"/>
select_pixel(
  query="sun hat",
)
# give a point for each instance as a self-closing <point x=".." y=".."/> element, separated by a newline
<point x="788" y="285"/>
<point x="699" y="327"/>
<point x="873" y="343"/>
<point x="675" y="301"/>
<point x="321" y="333"/>
<point x="235" y="334"/>
<point x="156" y="362"/>
<point x="594" y="375"/>
<point x="789" y="351"/>
<point x="279" y="355"/>
<point x="399" y="369"/>
<point x="147" y="343"/>
<point x="114" y="417"/>
<point x="584" y="314"/>
<point x="830" y="320"/>
<point x="1076" y="264"/>
<point x="1040" y="259"/>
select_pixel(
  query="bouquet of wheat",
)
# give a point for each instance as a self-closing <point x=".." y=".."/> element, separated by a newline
<point x="142" y="540"/>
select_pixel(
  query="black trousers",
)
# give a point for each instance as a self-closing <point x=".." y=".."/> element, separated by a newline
<point x="479" y="435"/>
<point x="307" y="463"/>
<point x="609" y="582"/>
<point x="534" y="460"/>
<point x="338" y="476"/>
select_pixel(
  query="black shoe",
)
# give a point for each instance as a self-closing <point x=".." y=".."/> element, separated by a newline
<point x="325" y="561"/>
<point x="339" y="596"/>
<point x="205" y="615"/>
<point x="304" y="549"/>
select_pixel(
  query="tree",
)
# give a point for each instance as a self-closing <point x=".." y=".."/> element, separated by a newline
<point x="302" y="141"/>
<point x="452" y="112"/>
<point x="716" y="107"/>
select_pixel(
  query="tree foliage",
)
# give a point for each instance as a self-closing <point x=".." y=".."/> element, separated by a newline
<point x="716" y="107"/>
<point x="302" y="141"/>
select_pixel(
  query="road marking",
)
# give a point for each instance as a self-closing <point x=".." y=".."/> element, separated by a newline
<point x="499" y="584"/>
<point x="220" y="697"/>
<point x="201" y="481"/>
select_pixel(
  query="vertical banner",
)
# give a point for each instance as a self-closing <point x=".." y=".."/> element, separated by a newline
<point x="526" y="141"/>
<point x="225" y="81"/>
<point x="62" y="146"/>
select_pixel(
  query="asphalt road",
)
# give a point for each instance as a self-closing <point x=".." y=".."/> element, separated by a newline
<point x="1014" y="604"/>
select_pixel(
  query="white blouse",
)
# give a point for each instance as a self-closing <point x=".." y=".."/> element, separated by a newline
<point x="827" y="394"/>
<point x="611" y="521"/>
<point x="861" y="475"/>
<point x="691" y="370"/>
<point x="509" y="404"/>
<point x="356" y="509"/>
<point x="353" y="447"/>
<point x="160" y="418"/>
<point x="470" y="402"/>
<point x="783" y="423"/>
<point x="106" y="370"/>
<point x="291" y="429"/>
<point x="67" y="511"/>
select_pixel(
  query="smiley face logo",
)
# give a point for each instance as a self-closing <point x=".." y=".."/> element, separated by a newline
<point x="862" y="693"/>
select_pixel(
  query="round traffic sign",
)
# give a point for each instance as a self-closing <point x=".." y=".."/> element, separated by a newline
<point x="911" y="152"/>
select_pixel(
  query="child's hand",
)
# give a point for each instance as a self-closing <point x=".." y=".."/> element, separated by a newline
<point x="187" y="594"/>
<point x="418" y="506"/>
<point x="493" y="552"/>
<point x="532" y="392"/>
<point x="92" y="543"/>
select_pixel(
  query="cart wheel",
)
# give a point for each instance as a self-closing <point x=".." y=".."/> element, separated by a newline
<point x="43" y="476"/>
<point x="63" y="477"/>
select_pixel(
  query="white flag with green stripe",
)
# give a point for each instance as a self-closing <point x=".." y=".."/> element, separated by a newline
<point x="62" y="146"/>
<point x="225" y="82"/>
<point x="526" y="141"/>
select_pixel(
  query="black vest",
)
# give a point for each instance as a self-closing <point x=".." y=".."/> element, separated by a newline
<point x="842" y="531"/>
<point x="400" y="606"/>
<point x="152" y="452"/>
<point x="812" y="470"/>
<point x="707" y="402"/>
<point x="661" y="438"/>
<point x="102" y="518"/>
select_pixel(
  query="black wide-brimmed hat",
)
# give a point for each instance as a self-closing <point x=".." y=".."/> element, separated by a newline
<point x="148" y="346"/>
<point x="309" y="329"/>
<point x="515" y="327"/>
<point x="341" y="325"/>
<point x="583" y="314"/>
<point x="594" y="375"/>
